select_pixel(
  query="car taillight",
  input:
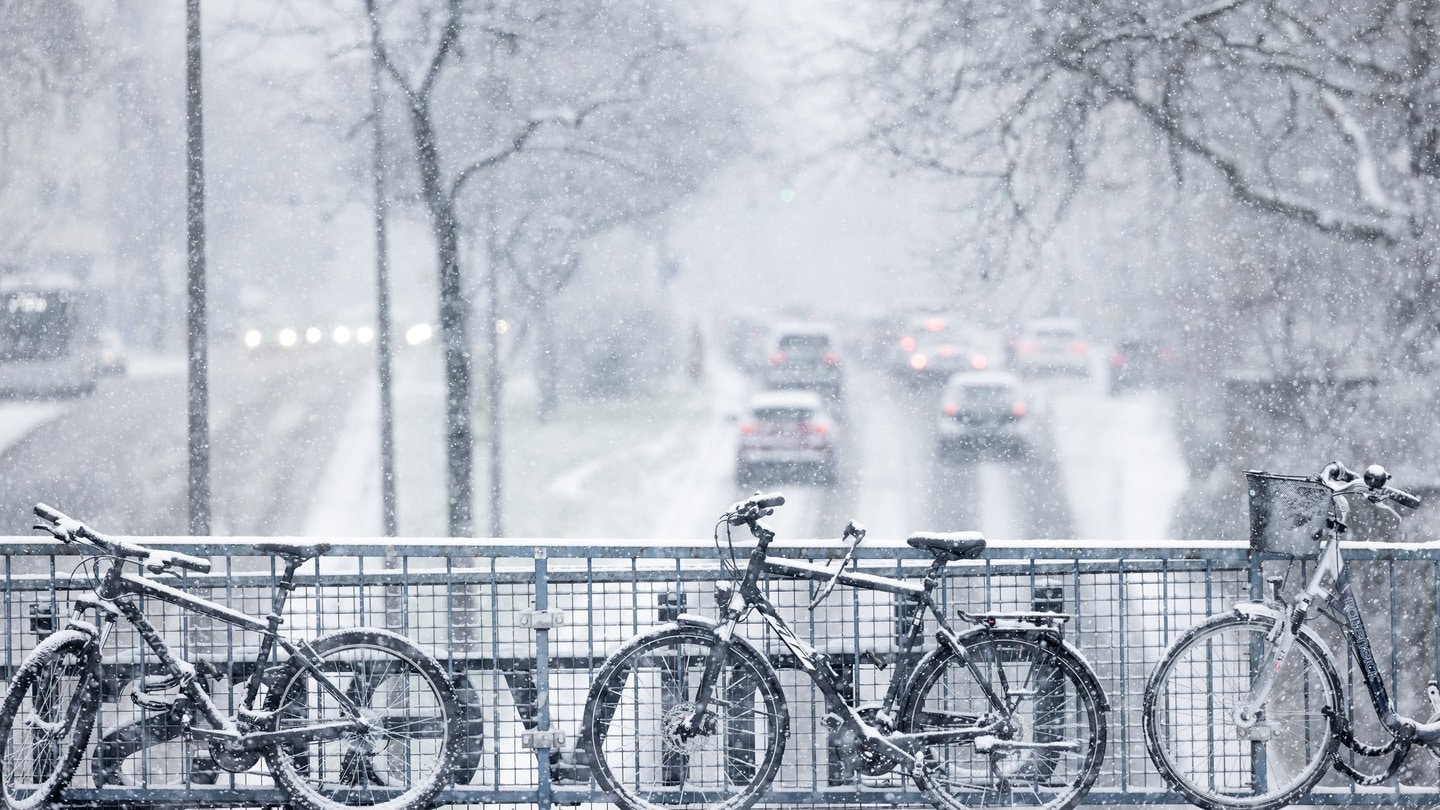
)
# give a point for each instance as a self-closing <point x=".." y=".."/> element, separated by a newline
<point x="831" y="359"/>
<point x="819" y="429"/>
<point x="777" y="359"/>
<point x="907" y="344"/>
<point x="978" y="362"/>
<point x="919" y="361"/>
<point x="1019" y="409"/>
<point x="1118" y="359"/>
<point x="1078" y="348"/>
<point x="946" y="350"/>
<point x="950" y="408"/>
<point x="747" y="428"/>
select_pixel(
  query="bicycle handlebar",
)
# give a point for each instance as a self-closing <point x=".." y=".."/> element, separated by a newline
<point x="757" y="506"/>
<point x="70" y="531"/>
<point x="1373" y="484"/>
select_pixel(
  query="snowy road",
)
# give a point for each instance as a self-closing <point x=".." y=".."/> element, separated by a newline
<point x="118" y="458"/>
<point x="295" y="453"/>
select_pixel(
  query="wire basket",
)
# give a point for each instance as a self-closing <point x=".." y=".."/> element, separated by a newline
<point x="1287" y="513"/>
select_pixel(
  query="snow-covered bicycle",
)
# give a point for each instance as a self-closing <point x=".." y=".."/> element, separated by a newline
<point x="1246" y="711"/>
<point x="360" y="717"/>
<point x="691" y="715"/>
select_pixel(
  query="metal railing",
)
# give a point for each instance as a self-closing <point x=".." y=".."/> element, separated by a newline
<point x="522" y="625"/>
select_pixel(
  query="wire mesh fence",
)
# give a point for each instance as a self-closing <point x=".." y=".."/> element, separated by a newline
<point x="521" y="627"/>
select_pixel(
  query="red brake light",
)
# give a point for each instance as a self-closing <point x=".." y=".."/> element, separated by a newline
<point x="777" y="359"/>
<point x="831" y="359"/>
<point x="907" y="344"/>
<point x="747" y="428"/>
<point x="934" y="324"/>
<point x="1019" y="409"/>
<point x="819" y="428"/>
<point x="1118" y="359"/>
<point x="978" y="362"/>
<point x="918" y="362"/>
<point x="1078" y="348"/>
<point x="950" y="408"/>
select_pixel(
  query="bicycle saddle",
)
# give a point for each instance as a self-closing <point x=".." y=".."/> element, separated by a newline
<point x="294" y="551"/>
<point x="949" y="546"/>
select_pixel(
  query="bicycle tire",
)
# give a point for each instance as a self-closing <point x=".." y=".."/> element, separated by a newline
<point x="405" y="757"/>
<point x="46" y="719"/>
<point x="640" y="695"/>
<point x="1053" y="754"/>
<point x="1198" y="745"/>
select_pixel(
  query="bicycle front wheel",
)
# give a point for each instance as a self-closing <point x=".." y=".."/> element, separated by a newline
<point x="648" y="749"/>
<point x="47" y="717"/>
<point x="1047" y="755"/>
<point x="1215" y="757"/>
<point x="397" y="756"/>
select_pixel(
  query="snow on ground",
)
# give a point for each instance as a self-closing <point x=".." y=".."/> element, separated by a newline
<point x="1121" y="462"/>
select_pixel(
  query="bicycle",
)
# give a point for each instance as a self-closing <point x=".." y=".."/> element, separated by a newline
<point x="1246" y="710"/>
<point x="356" y="717"/>
<point x="691" y="715"/>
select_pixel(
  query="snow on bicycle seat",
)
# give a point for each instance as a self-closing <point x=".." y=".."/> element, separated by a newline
<point x="949" y="545"/>
<point x="295" y="551"/>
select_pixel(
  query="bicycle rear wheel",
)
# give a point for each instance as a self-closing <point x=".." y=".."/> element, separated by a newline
<point x="401" y="754"/>
<point x="1204" y="749"/>
<point x="1050" y="755"/>
<point x="47" y="718"/>
<point x="643" y="747"/>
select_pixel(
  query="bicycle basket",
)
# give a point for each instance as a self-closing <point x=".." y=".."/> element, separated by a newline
<point x="1287" y="513"/>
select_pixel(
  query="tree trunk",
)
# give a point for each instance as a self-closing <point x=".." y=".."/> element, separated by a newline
<point x="454" y="329"/>
<point x="547" y="369"/>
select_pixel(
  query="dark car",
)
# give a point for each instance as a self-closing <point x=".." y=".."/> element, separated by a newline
<point x="983" y="410"/>
<point x="1139" y="363"/>
<point x="933" y="347"/>
<point x="786" y="437"/>
<point x="805" y="356"/>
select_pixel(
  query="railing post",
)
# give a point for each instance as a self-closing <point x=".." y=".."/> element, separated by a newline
<point x="542" y="739"/>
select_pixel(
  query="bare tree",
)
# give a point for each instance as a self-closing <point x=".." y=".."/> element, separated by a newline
<point x="593" y="93"/>
<point x="45" y="49"/>
<point x="1320" y="113"/>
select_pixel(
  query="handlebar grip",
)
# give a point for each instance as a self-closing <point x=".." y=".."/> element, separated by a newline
<point x="1402" y="497"/>
<point x="49" y="513"/>
<point x="769" y="501"/>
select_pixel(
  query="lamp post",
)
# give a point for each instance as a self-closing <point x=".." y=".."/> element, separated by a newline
<point x="198" y="388"/>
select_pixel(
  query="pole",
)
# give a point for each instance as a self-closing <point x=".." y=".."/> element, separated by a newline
<point x="493" y="383"/>
<point x="198" y="389"/>
<point x="389" y="517"/>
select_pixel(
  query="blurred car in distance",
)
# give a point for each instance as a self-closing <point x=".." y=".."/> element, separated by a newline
<point x="786" y="437"/>
<point x="1050" y="346"/>
<point x="1137" y="363"/>
<point x="933" y="347"/>
<point x="983" y="410"/>
<point x="805" y="356"/>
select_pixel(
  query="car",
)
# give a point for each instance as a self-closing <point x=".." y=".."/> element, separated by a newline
<point x="1137" y="363"/>
<point x="983" y="410"/>
<point x="805" y="356"/>
<point x="932" y="347"/>
<point x="786" y="437"/>
<point x="1050" y="346"/>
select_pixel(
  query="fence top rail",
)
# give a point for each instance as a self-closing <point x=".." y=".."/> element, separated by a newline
<point x="1226" y="551"/>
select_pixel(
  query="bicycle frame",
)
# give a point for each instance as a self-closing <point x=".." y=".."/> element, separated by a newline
<point x="117" y="592"/>
<point x="735" y="606"/>
<point x="1329" y="585"/>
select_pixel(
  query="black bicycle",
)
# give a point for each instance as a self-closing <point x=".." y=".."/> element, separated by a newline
<point x="358" y="717"/>
<point x="1247" y="710"/>
<point x="691" y="715"/>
